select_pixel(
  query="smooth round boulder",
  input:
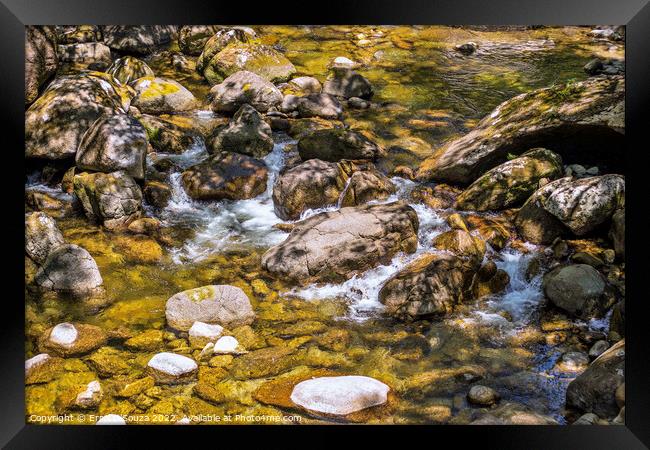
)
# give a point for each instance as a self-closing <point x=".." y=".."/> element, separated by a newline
<point x="247" y="133"/>
<point x="219" y="41"/>
<point x="334" y="144"/>
<point x="69" y="269"/>
<point x="482" y="395"/>
<point x="56" y="121"/>
<point x="261" y="59"/>
<point x="347" y="83"/>
<point x="112" y="199"/>
<point x="41" y="236"/>
<point x="244" y="87"/>
<point x="223" y="305"/>
<point x="339" y="396"/>
<point x="112" y="143"/>
<point x="227" y="345"/>
<point x="71" y="339"/>
<point x="170" y="368"/>
<point x="312" y="184"/>
<point x="226" y="175"/>
<point x="577" y="289"/>
<point x="128" y="68"/>
<point x="155" y="95"/>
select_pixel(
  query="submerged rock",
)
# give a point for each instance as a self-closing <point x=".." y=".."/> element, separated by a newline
<point x="116" y="142"/>
<point x="86" y="396"/>
<point x="577" y="289"/>
<point x="244" y="87"/>
<point x="261" y="363"/>
<point x="42" y="236"/>
<point x="482" y="395"/>
<point x="71" y="339"/>
<point x="594" y="390"/>
<point x="128" y="68"/>
<point x="347" y="83"/>
<point x="334" y="246"/>
<point x="218" y="304"/>
<point x="113" y="199"/>
<point x="41" y="59"/>
<point x="170" y="368"/>
<point x="512" y="182"/>
<point x="247" y="133"/>
<point x="551" y="117"/>
<point x="226" y="176"/>
<point x="155" y="95"/>
<point x="227" y="345"/>
<point x="335" y="144"/>
<point x="56" y="121"/>
<point x="257" y="58"/>
<point x="513" y="414"/>
<point x="339" y="396"/>
<point x="69" y="269"/>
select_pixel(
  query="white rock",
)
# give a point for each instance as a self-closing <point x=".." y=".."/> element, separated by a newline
<point x="35" y="361"/>
<point x="184" y="421"/>
<point x="344" y="63"/>
<point x="202" y="331"/>
<point x="170" y="367"/>
<point x="64" y="334"/>
<point x="226" y="345"/>
<point x="91" y="396"/>
<point x="111" y="419"/>
<point x="339" y="395"/>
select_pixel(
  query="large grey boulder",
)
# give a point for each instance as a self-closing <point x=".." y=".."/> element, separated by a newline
<point x="113" y="199"/>
<point x="577" y="289"/>
<point x="112" y="143"/>
<point x="56" y="121"/>
<point x="89" y="54"/>
<point x="141" y="39"/>
<point x="594" y="390"/>
<point x="334" y="144"/>
<point x="247" y="133"/>
<point x="334" y="246"/>
<point x="549" y="117"/>
<point x="244" y="87"/>
<point x="511" y="183"/>
<point x="69" y="269"/>
<point x="223" y="305"/>
<point x="226" y="175"/>
<point x="192" y="38"/>
<point x="41" y="59"/>
<point x="220" y="40"/>
<point x="42" y="236"/>
<point x="319" y="105"/>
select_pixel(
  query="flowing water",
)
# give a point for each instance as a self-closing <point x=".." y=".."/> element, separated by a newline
<point x="429" y="93"/>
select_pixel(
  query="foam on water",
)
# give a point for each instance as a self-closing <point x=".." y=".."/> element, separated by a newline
<point x="223" y="223"/>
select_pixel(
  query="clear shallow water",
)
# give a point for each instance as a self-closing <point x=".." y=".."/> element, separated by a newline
<point x="434" y="94"/>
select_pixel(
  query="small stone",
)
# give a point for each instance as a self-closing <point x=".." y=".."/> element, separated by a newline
<point x="587" y="419"/>
<point x="227" y="345"/>
<point x="201" y="333"/>
<point x="482" y="395"/>
<point x="64" y="334"/>
<point x="573" y="362"/>
<point x="90" y="397"/>
<point x="170" y="368"/>
<point x="339" y="396"/>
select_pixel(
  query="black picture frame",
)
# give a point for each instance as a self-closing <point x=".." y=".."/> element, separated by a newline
<point x="635" y="14"/>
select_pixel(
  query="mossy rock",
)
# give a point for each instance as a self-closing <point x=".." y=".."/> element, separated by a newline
<point x="109" y="361"/>
<point x="263" y="363"/>
<point x="148" y="341"/>
<point x="132" y="388"/>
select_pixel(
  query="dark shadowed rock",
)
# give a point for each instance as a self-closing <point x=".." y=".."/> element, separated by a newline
<point x="347" y="83"/>
<point x="617" y="232"/>
<point x="164" y="136"/>
<point x="557" y="118"/>
<point x="594" y="390"/>
<point x="247" y="133"/>
<point x="192" y="38"/>
<point x="41" y="59"/>
<point x="226" y="176"/>
<point x="116" y="142"/>
<point x="86" y="54"/>
<point x="365" y="184"/>
<point x="319" y="105"/>
<point x="333" y="246"/>
<point x="141" y="39"/>
<point x="335" y="144"/>
<point x="577" y="289"/>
